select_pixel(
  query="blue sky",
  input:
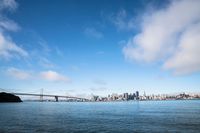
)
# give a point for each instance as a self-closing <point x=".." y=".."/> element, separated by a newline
<point x="88" y="47"/>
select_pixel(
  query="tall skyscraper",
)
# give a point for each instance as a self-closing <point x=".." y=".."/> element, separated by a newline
<point x="137" y="95"/>
<point x="134" y="96"/>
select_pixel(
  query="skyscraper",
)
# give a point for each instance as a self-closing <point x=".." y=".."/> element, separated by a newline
<point x="137" y="95"/>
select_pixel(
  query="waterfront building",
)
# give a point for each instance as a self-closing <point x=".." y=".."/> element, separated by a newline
<point x="125" y="96"/>
<point x="114" y="96"/>
<point x="134" y="96"/>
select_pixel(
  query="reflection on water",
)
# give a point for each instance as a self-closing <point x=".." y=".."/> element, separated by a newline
<point x="142" y="116"/>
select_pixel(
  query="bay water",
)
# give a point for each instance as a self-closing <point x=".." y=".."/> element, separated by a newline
<point x="101" y="117"/>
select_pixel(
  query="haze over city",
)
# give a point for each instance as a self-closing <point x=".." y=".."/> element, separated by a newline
<point x="97" y="47"/>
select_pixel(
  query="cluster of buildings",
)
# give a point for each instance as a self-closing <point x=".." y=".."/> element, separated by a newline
<point x="116" y="97"/>
<point x="136" y="96"/>
<point x="180" y="96"/>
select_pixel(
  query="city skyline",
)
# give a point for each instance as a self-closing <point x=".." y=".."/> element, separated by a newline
<point x="76" y="48"/>
<point x="144" y="97"/>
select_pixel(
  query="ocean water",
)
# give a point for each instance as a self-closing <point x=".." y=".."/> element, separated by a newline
<point x="101" y="117"/>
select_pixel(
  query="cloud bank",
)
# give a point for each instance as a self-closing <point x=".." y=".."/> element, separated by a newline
<point x="170" y="36"/>
<point x="49" y="75"/>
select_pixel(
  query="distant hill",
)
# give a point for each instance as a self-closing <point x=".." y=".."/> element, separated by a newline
<point x="7" y="97"/>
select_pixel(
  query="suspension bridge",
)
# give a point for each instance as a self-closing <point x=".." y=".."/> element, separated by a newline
<point x="41" y="95"/>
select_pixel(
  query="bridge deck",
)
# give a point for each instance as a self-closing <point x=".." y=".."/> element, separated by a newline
<point x="46" y="95"/>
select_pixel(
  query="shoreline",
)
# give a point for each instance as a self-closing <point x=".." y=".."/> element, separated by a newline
<point x="110" y="101"/>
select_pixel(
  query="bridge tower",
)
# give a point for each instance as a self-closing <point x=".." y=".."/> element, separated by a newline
<point x="56" y="97"/>
<point x="41" y="95"/>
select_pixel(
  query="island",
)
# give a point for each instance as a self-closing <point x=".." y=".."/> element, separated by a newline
<point x="7" y="97"/>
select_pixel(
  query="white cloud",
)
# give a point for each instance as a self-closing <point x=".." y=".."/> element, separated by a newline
<point x="5" y="23"/>
<point x="46" y="63"/>
<point x="8" y="4"/>
<point x="18" y="73"/>
<point x="186" y="58"/>
<point x="122" y="21"/>
<point x="44" y="46"/>
<point x="8" y="48"/>
<point x="92" y="32"/>
<point x="45" y="75"/>
<point x="53" y="76"/>
<point x="170" y="35"/>
<point x="8" y="25"/>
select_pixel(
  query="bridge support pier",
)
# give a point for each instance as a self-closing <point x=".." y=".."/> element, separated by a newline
<point x="56" y="97"/>
<point x="41" y="95"/>
<point x="41" y="98"/>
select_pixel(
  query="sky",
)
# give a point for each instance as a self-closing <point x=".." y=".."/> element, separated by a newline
<point x="79" y="48"/>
